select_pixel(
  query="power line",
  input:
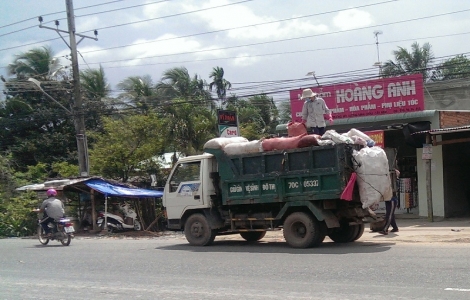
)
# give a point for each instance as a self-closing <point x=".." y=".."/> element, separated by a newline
<point x="54" y="13"/>
<point x="241" y="27"/>
<point x="288" y="39"/>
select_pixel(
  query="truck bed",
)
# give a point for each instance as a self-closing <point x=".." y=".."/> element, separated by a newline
<point x="312" y="173"/>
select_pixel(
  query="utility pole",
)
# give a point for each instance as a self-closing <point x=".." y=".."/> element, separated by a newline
<point x="77" y="109"/>
<point x="78" y="119"/>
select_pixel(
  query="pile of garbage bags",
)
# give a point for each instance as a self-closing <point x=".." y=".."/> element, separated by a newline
<point x="370" y="162"/>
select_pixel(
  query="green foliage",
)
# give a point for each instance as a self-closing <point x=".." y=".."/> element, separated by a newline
<point x="188" y="126"/>
<point x="257" y="115"/>
<point x="36" y="62"/>
<point x="410" y="62"/>
<point x="64" y="169"/>
<point x="284" y="112"/>
<point x="16" y="218"/>
<point x="457" y="67"/>
<point x="125" y="143"/>
<point x="220" y="84"/>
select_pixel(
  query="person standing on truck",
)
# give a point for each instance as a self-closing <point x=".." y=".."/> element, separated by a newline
<point x="313" y="112"/>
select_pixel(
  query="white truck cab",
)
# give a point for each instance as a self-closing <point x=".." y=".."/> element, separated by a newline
<point x="188" y="187"/>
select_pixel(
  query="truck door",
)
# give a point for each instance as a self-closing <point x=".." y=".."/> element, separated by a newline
<point x="184" y="189"/>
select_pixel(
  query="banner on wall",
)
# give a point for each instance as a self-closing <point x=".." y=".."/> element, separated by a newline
<point x="228" y="123"/>
<point x="367" y="98"/>
<point x="377" y="136"/>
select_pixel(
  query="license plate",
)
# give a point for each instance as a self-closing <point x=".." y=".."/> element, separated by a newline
<point x="69" y="229"/>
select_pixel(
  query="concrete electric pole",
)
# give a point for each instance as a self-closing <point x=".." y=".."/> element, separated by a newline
<point x="77" y="110"/>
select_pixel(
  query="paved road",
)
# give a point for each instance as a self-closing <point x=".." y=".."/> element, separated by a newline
<point x="168" y="268"/>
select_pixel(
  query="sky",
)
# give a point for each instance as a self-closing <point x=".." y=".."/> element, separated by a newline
<point x="264" y="46"/>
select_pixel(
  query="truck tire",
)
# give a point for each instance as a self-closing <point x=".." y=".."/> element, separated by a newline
<point x="302" y="230"/>
<point x="345" y="233"/>
<point x="360" y="232"/>
<point x="253" y="236"/>
<point x="198" y="231"/>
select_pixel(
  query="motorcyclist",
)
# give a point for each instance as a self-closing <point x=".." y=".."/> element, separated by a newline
<point x="52" y="208"/>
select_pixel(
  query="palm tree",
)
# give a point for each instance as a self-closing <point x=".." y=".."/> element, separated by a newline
<point x="139" y="91"/>
<point x="177" y="83"/>
<point x="410" y="62"/>
<point x="220" y="83"/>
<point x="95" y="83"/>
<point x="37" y="62"/>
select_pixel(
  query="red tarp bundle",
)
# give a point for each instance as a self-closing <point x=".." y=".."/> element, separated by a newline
<point x="348" y="190"/>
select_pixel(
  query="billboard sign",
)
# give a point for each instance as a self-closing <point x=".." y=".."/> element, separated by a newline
<point x="228" y="123"/>
<point x="381" y="96"/>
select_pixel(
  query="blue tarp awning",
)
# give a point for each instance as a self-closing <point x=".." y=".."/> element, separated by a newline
<point x="111" y="189"/>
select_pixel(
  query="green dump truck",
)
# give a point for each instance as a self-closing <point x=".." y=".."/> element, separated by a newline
<point x="296" y="190"/>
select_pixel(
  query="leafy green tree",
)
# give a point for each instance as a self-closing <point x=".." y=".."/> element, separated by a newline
<point x="285" y="114"/>
<point x="37" y="63"/>
<point x="188" y="126"/>
<point x="16" y="218"/>
<point x="220" y="84"/>
<point x="406" y="62"/>
<point x="126" y="143"/>
<point x="457" y="67"/>
<point x="267" y="111"/>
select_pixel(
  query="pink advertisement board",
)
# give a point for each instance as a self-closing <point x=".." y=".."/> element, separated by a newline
<point x="367" y="98"/>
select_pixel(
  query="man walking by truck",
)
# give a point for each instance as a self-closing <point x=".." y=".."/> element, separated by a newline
<point x="313" y="112"/>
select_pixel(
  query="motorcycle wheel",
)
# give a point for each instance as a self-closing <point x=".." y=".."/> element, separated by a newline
<point x="137" y="225"/>
<point x="42" y="236"/>
<point x="66" y="240"/>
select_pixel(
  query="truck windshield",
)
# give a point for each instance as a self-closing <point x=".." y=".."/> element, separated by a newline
<point x="185" y="172"/>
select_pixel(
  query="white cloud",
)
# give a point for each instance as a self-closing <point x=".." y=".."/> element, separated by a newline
<point x="244" y="59"/>
<point x="352" y="18"/>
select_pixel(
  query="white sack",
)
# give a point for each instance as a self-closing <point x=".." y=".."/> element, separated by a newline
<point x="243" y="148"/>
<point x="354" y="132"/>
<point x="336" y="137"/>
<point x="221" y="142"/>
<point x="373" y="177"/>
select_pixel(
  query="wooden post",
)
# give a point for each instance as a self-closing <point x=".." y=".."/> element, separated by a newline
<point x="93" y="210"/>
<point x="428" y="182"/>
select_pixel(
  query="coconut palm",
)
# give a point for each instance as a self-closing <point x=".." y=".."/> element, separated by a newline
<point x="95" y="83"/>
<point x="37" y="63"/>
<point x="415" y="61"/>
<point x="139" y="91"/>
<point x="220" y="84"/>
<point x="176" y="83"/>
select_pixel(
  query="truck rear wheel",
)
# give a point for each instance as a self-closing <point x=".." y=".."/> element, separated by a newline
<point x="198" y="231"/>
<point x="253" y="236"/>
<point x="360" y="232"/>
<point x="302" y="230"/>
<point x="345" y="234"/>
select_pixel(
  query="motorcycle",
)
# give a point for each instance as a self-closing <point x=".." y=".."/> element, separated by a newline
<point x="118" y="223"/>
<point x="61" y="231"/>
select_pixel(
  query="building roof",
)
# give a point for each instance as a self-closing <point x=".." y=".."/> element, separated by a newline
<point x="376" y="118"/>
<point x="445" y="130"/>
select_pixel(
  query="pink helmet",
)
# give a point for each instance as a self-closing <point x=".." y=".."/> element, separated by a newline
<point x="51" y="192"/>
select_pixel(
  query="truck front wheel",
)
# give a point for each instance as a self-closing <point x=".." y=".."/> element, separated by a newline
<point x="302" y="230"/>
<point x="198" y="231"/>
<point x="253" y="236"/>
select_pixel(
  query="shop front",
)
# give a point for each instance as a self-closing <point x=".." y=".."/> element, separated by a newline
<point x="391" y="111"/>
